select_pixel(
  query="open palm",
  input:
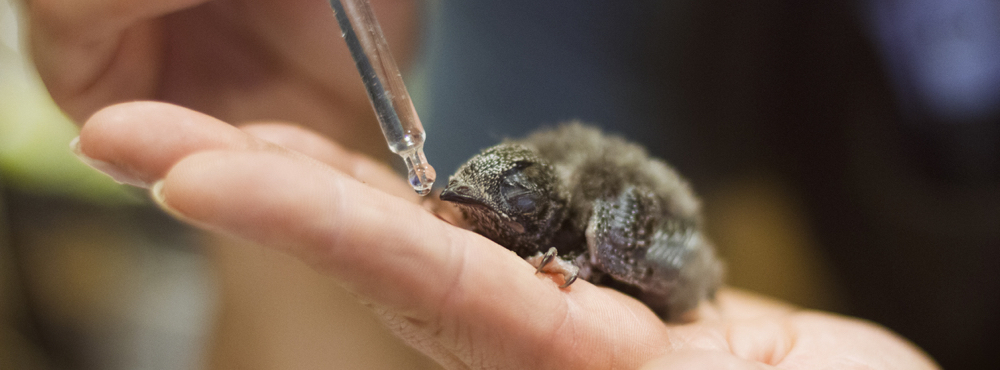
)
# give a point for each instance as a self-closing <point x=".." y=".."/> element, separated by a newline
<point x="458" y="297"/>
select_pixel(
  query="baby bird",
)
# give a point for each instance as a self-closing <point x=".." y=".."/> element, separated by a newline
<point x="574" y="201"/>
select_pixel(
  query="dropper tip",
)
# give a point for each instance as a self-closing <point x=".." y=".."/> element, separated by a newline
<point x="422" y="190"/>
<point x="419" y="172"/>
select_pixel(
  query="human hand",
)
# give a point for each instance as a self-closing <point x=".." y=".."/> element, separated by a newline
<point x="456" y="296"/>
<point x="237" y="60"/>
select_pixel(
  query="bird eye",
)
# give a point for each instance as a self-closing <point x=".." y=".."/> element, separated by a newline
<point x="524" y="203"/>
<point x="520" y="165"/>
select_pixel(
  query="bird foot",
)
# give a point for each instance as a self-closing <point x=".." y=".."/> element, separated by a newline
<point x="551" y="263"/>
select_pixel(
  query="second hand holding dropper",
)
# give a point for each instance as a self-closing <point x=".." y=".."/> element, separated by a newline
<point x="384" y="84"/>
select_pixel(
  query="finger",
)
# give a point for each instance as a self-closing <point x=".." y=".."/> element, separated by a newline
<point x="142" y="140"/>
<point x="320" y="148"/>
<point x="93" y="53"/>
<point x="684" y="360"/>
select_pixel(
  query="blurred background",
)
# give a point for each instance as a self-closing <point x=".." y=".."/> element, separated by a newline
<point x="847" y="152"/>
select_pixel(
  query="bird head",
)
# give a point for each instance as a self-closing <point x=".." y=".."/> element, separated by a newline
<point x="510" y="195"/>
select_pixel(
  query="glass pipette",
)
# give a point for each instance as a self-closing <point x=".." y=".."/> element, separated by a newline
<point x="393" y="107"/>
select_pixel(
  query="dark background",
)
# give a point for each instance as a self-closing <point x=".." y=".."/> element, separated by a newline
<point x="894" y="155"/>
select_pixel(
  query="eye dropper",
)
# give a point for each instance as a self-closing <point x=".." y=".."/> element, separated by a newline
<point x="396" y="115"/>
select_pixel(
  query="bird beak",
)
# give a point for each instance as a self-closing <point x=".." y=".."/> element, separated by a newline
<point x="459" y="193"/>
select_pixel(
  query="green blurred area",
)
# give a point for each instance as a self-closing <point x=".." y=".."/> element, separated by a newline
<point x="35" y="135"/>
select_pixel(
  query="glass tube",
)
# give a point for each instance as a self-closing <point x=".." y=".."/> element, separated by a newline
<point x="384" y="84"/>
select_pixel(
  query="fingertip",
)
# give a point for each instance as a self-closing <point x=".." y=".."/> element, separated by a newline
<point x="108" y="137"/>
<point x="123" y="120"/>
<point x="158" y="195"/>
<point x="146" y="138"/>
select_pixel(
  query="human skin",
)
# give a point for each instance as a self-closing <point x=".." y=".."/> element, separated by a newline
<point x="238" y="60"/>
<point x="241" y="61"/>
<point x="454" y="295"/>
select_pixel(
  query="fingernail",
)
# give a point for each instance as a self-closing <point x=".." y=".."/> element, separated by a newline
<point x="156" y="192"/>
<point x="116" y="173"/>
<point x="158" y="196"/>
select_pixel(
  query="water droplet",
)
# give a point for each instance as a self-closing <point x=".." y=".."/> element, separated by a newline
<point x="419" y="172"/>
<point x="419" y="181"/>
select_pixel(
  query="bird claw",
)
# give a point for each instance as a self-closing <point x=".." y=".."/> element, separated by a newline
<point x="569" y="281"/>
<point x="549" y="263"/>
<point x="546" y="259"/>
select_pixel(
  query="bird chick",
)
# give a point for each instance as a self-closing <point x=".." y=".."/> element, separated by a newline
<point x="574" y="201"/>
